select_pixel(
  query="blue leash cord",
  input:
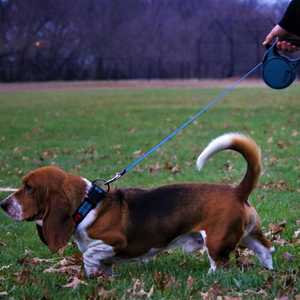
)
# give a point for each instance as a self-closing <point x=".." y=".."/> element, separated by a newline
<point x="120" y="174"/>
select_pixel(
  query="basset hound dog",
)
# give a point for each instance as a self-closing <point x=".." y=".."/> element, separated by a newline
<point x="131" y="224"/>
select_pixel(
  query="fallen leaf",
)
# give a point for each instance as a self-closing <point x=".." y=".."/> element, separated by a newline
<point x="159" y="281"/>
<point x="247" y="261"/>
<point x="138" y="152"/>
<point x="268" y="283"/>
<point x="175" y="170"/>
<point x="190" y="282"/>
<point x="61" y="250"/>
<point x="5" y="267"/>
<point x="283" y="223"/>
<point x="24" y="277"/>
<point x="260" y="292"/>
<point x="171" y="281"/>
<point x="92" y="149"/>
<point x="213" y="292"/>
<point x="139" y="169"/>
<point x="35" y="261"/>
<point x="154" y="168"/>
<point x="18" y="150"/>
<point x="67" y="151"/>
<point x="281" y="242"/>
<point x="138" y="290"/>
<point x="75" y="259"/>
<point x="63" y="269"/>
<point x="104" y="294"/>
<point x="228" y="167"/>
<point x="296" y="233"/>
<point x="74" y="283"/>
<point x="275" y="230"/>
<point x="287" y="257"/>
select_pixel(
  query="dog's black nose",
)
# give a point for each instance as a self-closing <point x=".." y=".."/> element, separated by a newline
<point x="4" y="205"/>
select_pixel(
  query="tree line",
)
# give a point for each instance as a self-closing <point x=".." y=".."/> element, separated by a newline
<point x="43" y="40"/>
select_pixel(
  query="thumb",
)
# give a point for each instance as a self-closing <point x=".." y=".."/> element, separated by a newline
<point x="270" y="37"/>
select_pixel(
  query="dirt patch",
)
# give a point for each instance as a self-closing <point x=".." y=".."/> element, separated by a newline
<point x="127" y="84"/>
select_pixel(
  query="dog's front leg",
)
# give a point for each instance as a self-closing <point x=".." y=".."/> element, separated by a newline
<point x="95" y="256"/>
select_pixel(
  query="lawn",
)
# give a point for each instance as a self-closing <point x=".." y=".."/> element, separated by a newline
<point x="98" y="133"/>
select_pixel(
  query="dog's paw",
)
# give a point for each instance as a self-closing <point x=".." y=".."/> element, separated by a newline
<point x="91" y="271"/>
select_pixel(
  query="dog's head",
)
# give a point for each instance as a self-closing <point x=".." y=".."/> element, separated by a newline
<point x="49" y="197"/>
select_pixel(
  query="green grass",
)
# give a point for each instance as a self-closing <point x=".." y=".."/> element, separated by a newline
<point x="96" y="134"/>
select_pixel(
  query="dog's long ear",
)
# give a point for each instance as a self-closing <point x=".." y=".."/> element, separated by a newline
<point x="58" y="224"/>
<point x="40" y="232"/>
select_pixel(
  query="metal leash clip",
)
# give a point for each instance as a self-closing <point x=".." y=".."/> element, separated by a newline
<point x="118" y="176"/>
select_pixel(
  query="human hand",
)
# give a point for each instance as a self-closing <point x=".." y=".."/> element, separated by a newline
<point x="281" y="36"/>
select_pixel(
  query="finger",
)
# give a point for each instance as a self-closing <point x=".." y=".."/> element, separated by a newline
<point x="285" y="46"/>
<point x="290" y="47"/>
<point x="294" y="48"/>
<point x="279" y="46"/>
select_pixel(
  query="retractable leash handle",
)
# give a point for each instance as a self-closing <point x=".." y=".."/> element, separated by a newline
<point x="279" y="72"/>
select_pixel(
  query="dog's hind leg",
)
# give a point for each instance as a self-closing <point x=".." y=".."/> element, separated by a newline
<point x="262" y="248"/>
<point x="217" y="251"/>
<point x="217" y="260"/>
<point x="259" y="244"/>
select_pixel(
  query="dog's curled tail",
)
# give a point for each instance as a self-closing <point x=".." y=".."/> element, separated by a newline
<point x="245" y="146"/>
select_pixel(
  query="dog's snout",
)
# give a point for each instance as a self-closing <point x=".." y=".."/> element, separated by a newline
<point x="4" y="205"/>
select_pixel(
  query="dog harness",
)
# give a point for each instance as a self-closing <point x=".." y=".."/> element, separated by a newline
<point x="96" y="193"/>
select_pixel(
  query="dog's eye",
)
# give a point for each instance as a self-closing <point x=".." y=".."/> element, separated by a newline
<point x="27" y="187"/>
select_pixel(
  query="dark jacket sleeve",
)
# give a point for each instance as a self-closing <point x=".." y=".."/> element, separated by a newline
<point x="291" y="18"/>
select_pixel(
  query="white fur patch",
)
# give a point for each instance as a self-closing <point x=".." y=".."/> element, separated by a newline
<point x="14" y="210"/>
<point x="220" y="143"/>
<point x="213" y="266"/>
<point x="204" y="235"/>
<point x="39" y="222"/>
<point x="95" y="257"/>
